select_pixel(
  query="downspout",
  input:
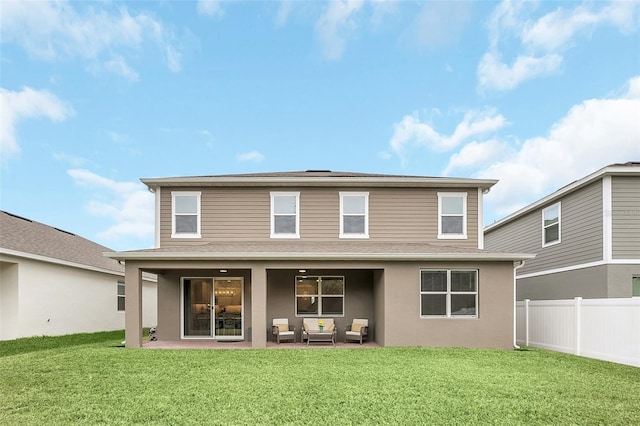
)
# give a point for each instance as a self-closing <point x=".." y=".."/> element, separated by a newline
<point x="516" y="266"/>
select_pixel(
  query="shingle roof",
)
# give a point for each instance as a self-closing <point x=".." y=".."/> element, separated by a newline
<point x="318" y="178"/>
<point x="310" y="174"/>
<point x="21" y="235"/>
<point x="329" y="250"/>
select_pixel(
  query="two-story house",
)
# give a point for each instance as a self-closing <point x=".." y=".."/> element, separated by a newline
<point x="236" y="251"/>
<point x="586" y="237"/>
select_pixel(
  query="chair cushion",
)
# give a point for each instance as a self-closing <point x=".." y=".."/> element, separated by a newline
<point x="283" y="328"/>
<point x="356" y="327"/>
<point x="353" y="333"/>
<point x="286" y="333"/>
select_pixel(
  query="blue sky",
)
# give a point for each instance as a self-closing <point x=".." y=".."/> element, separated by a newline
<point x="96" y="95"/>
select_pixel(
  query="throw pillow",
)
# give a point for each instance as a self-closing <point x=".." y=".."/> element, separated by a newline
<point x="283" y="327"/>
<point x="356" y="327"/>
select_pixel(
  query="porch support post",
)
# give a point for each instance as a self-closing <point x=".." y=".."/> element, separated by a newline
<point x="132" y="306"/>
<point x="259" y="307"/>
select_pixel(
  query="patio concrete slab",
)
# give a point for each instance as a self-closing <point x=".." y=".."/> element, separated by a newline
<point x="212" y="344"/>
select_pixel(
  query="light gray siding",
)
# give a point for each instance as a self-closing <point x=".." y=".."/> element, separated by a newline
<point x="581" y="233"/>
<point x="243" y="214"/>
<point x="625" y="221"/>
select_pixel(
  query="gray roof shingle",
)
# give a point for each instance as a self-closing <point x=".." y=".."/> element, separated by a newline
<point x="23" y="235"/>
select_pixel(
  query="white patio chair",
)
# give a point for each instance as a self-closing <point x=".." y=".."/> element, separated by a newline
<point x="357" y="331"/>
<point x="281" y="330"/>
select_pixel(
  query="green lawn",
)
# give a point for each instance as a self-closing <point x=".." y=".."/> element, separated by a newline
<point x="90" y="379"/>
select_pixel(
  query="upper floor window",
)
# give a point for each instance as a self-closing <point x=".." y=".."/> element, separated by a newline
<point x="551" y="225"/>
<point x="354" y="215"/>
<point x="120" y="296"/>
<point x="185" y="212"/>
<point x="452" y="215"/>
<point x="285" y="215"/>
<point x="446" y="293"/>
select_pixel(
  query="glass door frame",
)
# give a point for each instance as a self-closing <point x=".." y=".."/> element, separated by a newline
<point x="213" y="319"/>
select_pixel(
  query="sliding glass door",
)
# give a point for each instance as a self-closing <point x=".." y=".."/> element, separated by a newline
<point x="212" y="307"/>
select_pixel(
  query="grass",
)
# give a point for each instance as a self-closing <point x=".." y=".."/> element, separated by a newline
<point x="89" y="379"/>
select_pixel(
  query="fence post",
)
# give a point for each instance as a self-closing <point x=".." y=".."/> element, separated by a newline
<point x="526" y="322"/>
<point x="577" y="306"/>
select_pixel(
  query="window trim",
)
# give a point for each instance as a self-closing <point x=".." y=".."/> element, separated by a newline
<point x="559" y="223"/>
<point x="273" y="196"/>
<point x="319" y="295"/>
<point x="198" y="196"/>
<point x="448" y="293"/>
<point x="121" y="296"/>
<point x="441" y="235"/>
<point x="365" y="234"/>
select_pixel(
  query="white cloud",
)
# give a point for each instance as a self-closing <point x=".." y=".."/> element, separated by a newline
<point x="593" y="134"/>
<point x="556" y="30"/>
<point x="440" y="23"/>
<point x="127" y="204"/>
<point x="335" y="24"/>
<point x="253" y="156"/>
<point x="26" y="104"/>
<point x="494" y="74"/>
<point x="542" y="41"/>
<point x="59" y="29"/>
<point x="477" y="154"/>
<point x="210" y="8"/>
<point x="118" y="65"/>
<point x="283" y="13"/>
<point x="411" y="132"/>
<point x="173" y="59"/>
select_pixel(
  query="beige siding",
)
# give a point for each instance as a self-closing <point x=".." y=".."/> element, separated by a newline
<point x="243" y="214"/>
<point x="625" y="198"/>
<point x="581" y="233"/>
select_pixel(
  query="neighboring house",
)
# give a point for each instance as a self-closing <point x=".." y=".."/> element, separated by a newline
<point x="53" y="282"/>
<point x="586" y="237"/>
<point x="405" y="252"/>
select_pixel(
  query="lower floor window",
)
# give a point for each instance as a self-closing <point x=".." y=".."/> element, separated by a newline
<point x="120" y="296"/>
<point x="449" y="293"/>
<point x="317" y="296"/>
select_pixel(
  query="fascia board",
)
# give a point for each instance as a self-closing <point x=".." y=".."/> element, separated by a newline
<point x="321" y="256"/>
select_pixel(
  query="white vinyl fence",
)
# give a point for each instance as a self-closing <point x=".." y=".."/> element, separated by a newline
<point x="607" y="329"/>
